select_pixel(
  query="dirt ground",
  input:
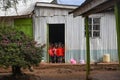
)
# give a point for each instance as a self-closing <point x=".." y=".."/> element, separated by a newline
<point x="47" y="71"/>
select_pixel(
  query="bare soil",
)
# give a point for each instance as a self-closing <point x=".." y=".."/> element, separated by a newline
<point x="46" y="71"/>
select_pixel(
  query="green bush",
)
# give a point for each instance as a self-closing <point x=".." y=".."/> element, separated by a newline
<point x="18" y="50"/>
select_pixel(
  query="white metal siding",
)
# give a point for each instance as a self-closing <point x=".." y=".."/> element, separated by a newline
<point x="75" y="41"/>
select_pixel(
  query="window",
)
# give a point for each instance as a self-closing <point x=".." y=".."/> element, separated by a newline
<point x="94" y="27"/>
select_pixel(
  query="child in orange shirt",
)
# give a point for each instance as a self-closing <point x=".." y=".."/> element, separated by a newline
<point x="51" y="53"/>
<point x="60" y="53"/>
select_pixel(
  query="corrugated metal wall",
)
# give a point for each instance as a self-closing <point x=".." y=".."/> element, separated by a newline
<point x="42" y="18"/>
<point x="74" y="33"/>
<point x="105" y="44"/>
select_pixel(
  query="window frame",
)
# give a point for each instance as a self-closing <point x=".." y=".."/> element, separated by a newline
<point x="92" y="30"/>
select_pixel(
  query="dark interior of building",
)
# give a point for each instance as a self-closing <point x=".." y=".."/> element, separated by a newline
<point x="56" y="33"/>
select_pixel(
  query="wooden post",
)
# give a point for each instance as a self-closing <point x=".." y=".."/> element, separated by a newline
<point x="117" y="15"/>
<point x="48" y="43"/>
<point x="87" y="48"/>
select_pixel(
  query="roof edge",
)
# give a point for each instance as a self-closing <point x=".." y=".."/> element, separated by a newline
<point x="51" y="5"/>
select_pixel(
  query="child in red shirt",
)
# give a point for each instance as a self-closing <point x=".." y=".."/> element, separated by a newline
<point x="55" y="49"/>
<point x="51" y="53"/>
<point x="60" y="53"/>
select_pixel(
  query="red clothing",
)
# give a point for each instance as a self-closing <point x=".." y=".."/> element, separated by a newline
<point x="55" y="51"/>
<point x="50" y="51"/>
<point x="60" y="51"/>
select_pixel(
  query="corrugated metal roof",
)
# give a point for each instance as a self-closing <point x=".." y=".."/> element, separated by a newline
<point x="22" y="9"/>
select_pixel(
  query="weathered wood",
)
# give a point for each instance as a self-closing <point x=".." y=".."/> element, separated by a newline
<point x="100" y="8"/>
<point x="48" y="59"/>
<point x="38" y="4"/>
<point x="117" y="12"/>
<point x="87" y="48"/>
<point x="94" y="6"/>
<point x="84" y="8"/>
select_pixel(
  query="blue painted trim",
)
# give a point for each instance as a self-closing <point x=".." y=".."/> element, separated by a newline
<point x="96" y="55"/>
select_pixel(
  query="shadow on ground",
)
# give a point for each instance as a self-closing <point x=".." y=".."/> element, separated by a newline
<point x="20" y="77"/>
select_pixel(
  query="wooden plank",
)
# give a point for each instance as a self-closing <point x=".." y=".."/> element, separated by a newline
<point x="100" y="8"/>
<point x="38" y="4"/>
<point x="87" y="7"/>
<point x="87" y="48"/>
<point x="48" y="59"/>
<point x="117" y="12"/>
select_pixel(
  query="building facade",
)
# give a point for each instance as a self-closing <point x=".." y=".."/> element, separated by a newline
<point x="103" y="39"/>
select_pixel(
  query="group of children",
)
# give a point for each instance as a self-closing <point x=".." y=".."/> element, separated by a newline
<point x="56" y="53"/>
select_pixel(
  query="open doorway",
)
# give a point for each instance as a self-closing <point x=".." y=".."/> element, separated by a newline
<point x="57" y="41"/>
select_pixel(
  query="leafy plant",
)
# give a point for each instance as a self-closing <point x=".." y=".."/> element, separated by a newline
<point x="18" y="50"/>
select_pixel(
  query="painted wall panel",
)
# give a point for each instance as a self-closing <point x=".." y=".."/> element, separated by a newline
<point x="25" y="25"/>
